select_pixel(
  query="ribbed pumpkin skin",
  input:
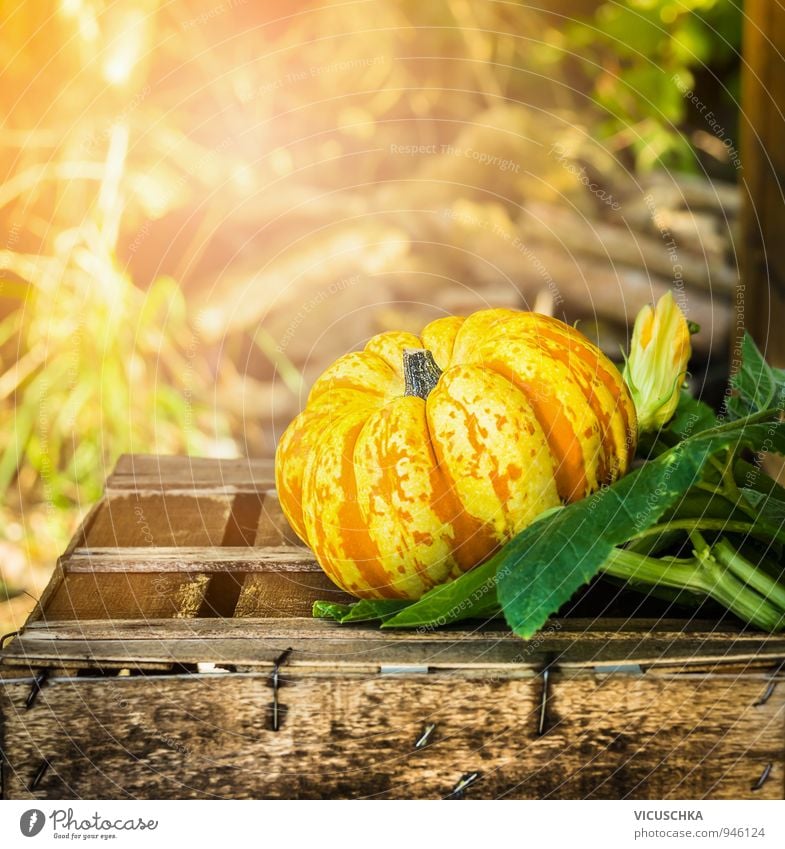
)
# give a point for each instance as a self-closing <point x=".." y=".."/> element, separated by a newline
<point x="396" y="494"/>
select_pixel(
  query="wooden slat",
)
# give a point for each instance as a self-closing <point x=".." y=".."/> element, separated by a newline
<point x="126" y="596"/>
<point x="287" y="593"/>
<point x="559" y="632"/>
<point x="160" y="520"/>
<point x="209" y="736"/>
<point x="285" y="558"/>
<point x="249" y="642"/>
<point x="157" y="473"/>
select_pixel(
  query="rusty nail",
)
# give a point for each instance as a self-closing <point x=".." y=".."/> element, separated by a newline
<point x="763" y="777"/>
<point x="465" y="781"/>
<point x="33" y="786"/>
<point x="425" y="737"/>
<point x="280" y="660"/>
<point x="38" y="684"/>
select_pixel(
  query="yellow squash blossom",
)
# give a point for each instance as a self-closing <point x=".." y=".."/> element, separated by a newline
<point x="657" y="365"/>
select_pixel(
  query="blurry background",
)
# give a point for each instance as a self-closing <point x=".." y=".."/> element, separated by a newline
<point x="204" y="203"/>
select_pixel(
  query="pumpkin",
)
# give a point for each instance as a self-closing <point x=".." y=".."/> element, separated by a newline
<point x="418" y="457"/>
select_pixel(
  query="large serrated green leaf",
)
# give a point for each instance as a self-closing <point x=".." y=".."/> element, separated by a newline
<point x="545" y="564"/>
<point x="756" y="385"/>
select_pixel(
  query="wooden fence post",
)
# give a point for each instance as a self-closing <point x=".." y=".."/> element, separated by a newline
<point x="761" y="295"/>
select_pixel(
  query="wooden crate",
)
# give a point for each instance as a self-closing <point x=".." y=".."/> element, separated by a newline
<point x="173" y="655"/>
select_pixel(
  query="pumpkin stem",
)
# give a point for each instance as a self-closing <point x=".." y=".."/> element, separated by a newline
<point x="420" y="372"/>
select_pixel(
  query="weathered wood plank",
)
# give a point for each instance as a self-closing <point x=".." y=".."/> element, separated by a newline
<point x="558" y="631"/>
<point x="249" y="642"/>
<point x="158" y="473"/>
<point x="283" y="558"/>
<point x="136" y="519"/>
<point x="286" y="593"/>
<point x="335" y="655"/>
<point x="209" y="737"/>
<point x="89" y="596"/>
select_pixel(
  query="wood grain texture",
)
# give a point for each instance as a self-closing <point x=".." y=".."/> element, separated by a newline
<point x="160" y="520"/>
<point x="86" y="596"/>
<point x="176" y="515"/>
<point x="320" y="644"/>
<point x="157" y="473"/>
<point x="286" y="593"/>
<point x="208" y="737"/>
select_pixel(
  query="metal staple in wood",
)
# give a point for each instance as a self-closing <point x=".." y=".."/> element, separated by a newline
<point x="425" y="738"/>
<point x="768" y="692"/>
<point x="545" y="674"/>
<point x="763" y="777"/>
<point x="464" y="782"/>
<point x="38" y="684"/>
<point x="279" y="661"/>
<point x="40" y="773"/>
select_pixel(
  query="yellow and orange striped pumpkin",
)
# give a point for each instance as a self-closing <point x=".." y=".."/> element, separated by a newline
<point x="416" y="458"/>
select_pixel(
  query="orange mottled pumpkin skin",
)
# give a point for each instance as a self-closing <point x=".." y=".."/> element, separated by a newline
<point x="396" y="493"/>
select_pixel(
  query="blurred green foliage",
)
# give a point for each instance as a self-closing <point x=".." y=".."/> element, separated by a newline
<point x="641" y="56"/>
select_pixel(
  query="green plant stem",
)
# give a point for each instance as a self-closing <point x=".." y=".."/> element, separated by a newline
<point x="675" y="573"/>
<point x="729" y="487"/>
<point x="703" y="525"/>
<point x="701" y="574"/>
<point x="757" y="526"/>
<point x="747" y="572"/>
<point x="734" y="594"/>
<point x="762" y="416"/>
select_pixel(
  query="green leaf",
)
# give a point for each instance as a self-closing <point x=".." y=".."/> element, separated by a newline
<point x="769" y="508"/>
<point x="364" y="610"/>
<point x="692" y="416"/>
<point x="473" y="595"/>
<point x="750" y="476"/>
<point x="329" y="610"/>
<point x="367" y="610"/>
<point x="756" y="385"/>
<point x="544" y="565"/>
